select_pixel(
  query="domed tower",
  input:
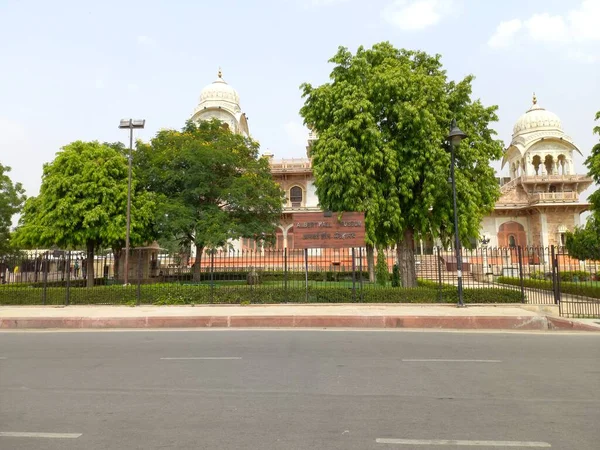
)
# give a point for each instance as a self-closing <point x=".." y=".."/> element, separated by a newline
<point x="220" y="101"/>
<point x="539" y="145"/>
<point x="540" y="201"/>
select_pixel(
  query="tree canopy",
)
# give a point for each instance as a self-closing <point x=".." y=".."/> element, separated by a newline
<point x="382" y="123"/>
<point x="83" y="203"/>
<point x="212" y="185"/>
<point x="584" y="242"/>
<point x="12" y="197"/>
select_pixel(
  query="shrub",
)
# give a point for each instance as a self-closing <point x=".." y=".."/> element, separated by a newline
<point x="576" y="275"/>
<point x="183" y="294"/>
<point x="539" y="275"/>
<point x="396" y="276"/>
<point x="382" y="273"/>
<point x="582" y="289"/>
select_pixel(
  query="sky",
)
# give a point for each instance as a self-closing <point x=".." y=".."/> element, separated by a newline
<point x="70" y="70"/>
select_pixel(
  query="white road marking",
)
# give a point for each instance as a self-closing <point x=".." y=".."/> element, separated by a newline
<point x="40" y="435"/>
<point x="464" y="443"/>
<point x="205" y="358"/>
<point x="454" y="360"/>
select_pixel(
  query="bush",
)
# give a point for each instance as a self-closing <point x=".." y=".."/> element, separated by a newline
<point x="396" y="276"/>
<point x="539" y="275"/>
<point x="584" y="289"/>
<point x="382" y="273"/>
<point x="183" y="294"/>
<point x="576" y="275"/>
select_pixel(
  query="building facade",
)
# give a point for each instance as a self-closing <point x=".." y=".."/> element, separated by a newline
<point x="539" y="201"/>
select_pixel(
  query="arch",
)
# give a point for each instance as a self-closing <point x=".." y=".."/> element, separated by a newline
<point x="536" y="162"/>
<point x="561" y="164"/>
<point x="549" y="164"/>
<point x="296" y="196"/>
<point x="512" y="234"/>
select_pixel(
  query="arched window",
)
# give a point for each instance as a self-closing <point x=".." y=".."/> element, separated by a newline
<point x="512" y="242"/>
<point x="296" y="196"/>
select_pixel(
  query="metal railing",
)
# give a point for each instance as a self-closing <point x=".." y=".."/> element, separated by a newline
<point x="534" y="275"/>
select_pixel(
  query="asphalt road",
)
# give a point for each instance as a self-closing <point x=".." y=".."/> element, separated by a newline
<point x="291" y="390"/>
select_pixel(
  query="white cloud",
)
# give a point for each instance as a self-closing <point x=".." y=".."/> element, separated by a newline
<point x="145" y="40"/>
<point x="297" y="133"/>
<point x="416" y="14"/>
<point x="544" y="27"/>
<point x="574" y="30"/>
<point x="326" y="2"/>
<point x="505" y="33"/>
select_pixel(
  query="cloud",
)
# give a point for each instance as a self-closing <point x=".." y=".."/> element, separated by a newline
<point x="505" y="33"/>
<point x="416" y="14"/>
<point x="326" y="2"/>
<point x="145" y="40"/>
<point x="544" y="27"/>
<point x="574" y="30"/>
<point x="297" y="133"/>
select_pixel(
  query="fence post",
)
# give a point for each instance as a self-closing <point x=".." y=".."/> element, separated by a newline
<point x="520" y="257"/>
<point x="353" y="276"/>
<point x="555" y="287"/>
<point x="212" y="276"/>
<point x="285" y="272"/>
<point x="45" y="278"/>
<point x="439" y="268"/>
<point x="306" y="273"/>
<point x="360" y="273"/>
<point x="68" y="269"/>
<point x="139" y="277"/>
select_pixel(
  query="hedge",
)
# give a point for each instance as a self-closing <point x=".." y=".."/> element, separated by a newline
<point x="172" y="293"/>
<point x="583" y="289"/>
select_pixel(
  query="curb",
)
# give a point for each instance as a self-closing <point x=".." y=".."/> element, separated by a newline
<point x="289" y="321"/>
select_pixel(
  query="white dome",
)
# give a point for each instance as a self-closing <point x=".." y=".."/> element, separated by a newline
<point x="537" y="118"/>
<point x="219" y="94"/>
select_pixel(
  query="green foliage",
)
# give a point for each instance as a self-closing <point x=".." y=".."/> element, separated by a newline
<point x="382" y="272"/>
<point x="584" y="242"/>
<point x="83" y="203"/>
<point x="586" y="289"/>
<point x="575" y="275"/>
<point x="396" y="276"/>
<point x="382" y="123"/>
<point x="211" y="184"/>
<point x="12" y="197"/>
<point x="181" y="294"/>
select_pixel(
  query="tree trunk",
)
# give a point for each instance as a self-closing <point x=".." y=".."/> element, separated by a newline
<point x="196" y="268"/>
<point x="90" y="264"/>
<point x="405" y="254"/>
<point x="371" y="263"/>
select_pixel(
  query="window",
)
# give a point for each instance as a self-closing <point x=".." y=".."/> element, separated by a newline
<point x="296" y="196"/>
<point x="563" y="239"/>
<point x="512" y="242"/>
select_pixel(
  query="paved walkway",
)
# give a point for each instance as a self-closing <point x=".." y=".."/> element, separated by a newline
<point x="516" y="317"/>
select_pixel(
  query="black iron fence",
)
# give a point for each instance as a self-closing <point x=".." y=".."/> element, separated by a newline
<point x="489" y="275"/>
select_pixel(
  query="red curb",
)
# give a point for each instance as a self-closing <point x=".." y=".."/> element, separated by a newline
<point x="556" y="323"/>
<point x="436" y="322"/>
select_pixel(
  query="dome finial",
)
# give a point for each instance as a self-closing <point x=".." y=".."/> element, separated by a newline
<point x="534" y="99"/>
<point x="220" y="73"/>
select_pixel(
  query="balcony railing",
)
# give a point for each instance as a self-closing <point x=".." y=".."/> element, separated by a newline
<point x="555" y="178"/>
<point x="291" y="166"/>
<point x="554" y="197"/>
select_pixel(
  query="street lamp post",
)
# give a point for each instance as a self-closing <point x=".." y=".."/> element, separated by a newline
<point x="484" y="242"/>
<point x="454" y="138"/>
<point x="130" y="124"/>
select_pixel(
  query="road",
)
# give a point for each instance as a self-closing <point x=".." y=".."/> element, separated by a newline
<point x="305" y="389"/>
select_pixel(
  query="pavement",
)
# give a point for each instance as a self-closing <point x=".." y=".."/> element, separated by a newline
<point x="500" y="317"/>
<point x="298" y="390"/>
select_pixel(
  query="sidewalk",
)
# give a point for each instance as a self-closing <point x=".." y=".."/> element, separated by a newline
<point x="490" y="317"/>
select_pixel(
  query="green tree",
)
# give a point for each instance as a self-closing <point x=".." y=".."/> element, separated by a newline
<point x="584" y="242"/>
<point x="382" y="123"/>
<point x="212" y="185"/>
<point x="83" y="202"/>
<point x="12" y="197"/>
